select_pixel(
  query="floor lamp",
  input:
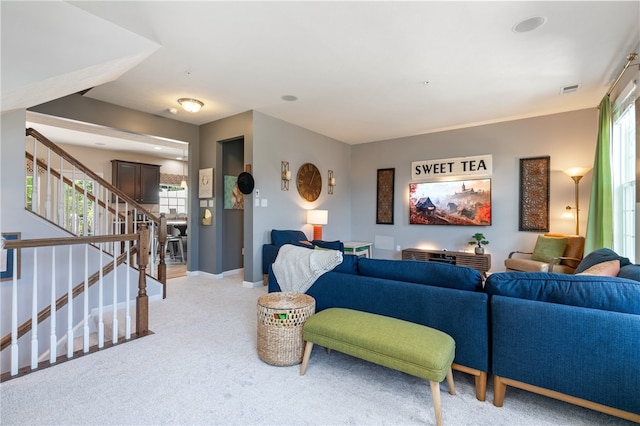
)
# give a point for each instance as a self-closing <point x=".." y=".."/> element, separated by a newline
<point x="576" y="174"/>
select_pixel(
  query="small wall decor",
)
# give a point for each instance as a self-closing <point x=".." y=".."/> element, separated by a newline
<point x="463" y="202"/>
<point x="534" y="194"/>
<point x="331" y="181"/>
<point x="233" y="198"/>
<point x="385" y="196"/>
<point x="6" y="258"/>
<point x="205" y="183"/>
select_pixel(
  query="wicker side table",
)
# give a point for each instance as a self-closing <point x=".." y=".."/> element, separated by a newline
<point x="280" y="320"/>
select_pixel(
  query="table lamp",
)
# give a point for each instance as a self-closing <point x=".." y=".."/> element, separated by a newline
<point x="317" y="218"/>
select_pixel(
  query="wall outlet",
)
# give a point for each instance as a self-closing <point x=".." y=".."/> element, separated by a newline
<point x="397" y="248"/>
<point x="257" y="191"/>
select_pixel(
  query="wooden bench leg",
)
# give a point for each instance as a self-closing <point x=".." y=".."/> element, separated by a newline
<point x="452" y="386"/>
<point x="305" y="358"/>
<point x="499" y="391"/>
<point x="437" y="407"/>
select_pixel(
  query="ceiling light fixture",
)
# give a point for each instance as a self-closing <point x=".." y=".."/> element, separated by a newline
<point x="190" y="104"/>
<point x="529" y="24"/>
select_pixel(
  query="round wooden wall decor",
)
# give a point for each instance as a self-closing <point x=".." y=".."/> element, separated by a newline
<point x="309" y="182"/>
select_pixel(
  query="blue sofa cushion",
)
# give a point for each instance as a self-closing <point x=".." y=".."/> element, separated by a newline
<point x="599" y="256"/>
<point x="349" y="265"/>
<point x="415" y="271"/>
<point x="588" y="291"/>
<point x="280" y="237"/>
<point x="630" y="272"/>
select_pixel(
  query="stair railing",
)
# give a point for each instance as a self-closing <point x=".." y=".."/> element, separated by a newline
<point x="93" y="254"/>
<point x="69" y="194"/>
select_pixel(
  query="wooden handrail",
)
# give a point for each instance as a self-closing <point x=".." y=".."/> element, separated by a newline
<point x="69" y="158"/>
<point x="78" y="188"/>
<point x="160" y="221"/>
<point x="68" y="241"/>
<point x="142" y="303"/>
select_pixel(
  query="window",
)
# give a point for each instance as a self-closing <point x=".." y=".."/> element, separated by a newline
<point x="623" y="158"/>
<point x="173" y="197"/>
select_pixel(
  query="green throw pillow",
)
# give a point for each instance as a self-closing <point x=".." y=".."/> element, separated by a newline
<point x="548" y="247"/>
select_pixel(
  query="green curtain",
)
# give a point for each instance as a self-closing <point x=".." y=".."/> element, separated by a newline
<point x="600" y="221"/>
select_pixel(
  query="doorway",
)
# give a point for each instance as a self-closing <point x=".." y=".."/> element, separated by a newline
<point x="233" y="205"/>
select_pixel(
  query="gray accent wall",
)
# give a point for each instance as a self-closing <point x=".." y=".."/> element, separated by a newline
<point x="275" y="141"/>
<point x="568" y="138"/>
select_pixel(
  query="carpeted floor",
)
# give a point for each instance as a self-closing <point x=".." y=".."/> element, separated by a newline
<point x="201" y="367"/>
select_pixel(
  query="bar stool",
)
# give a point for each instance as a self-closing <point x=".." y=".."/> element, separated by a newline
<point x="175" y="241"/>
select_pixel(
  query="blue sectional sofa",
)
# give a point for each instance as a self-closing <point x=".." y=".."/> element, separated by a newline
<point x="445" y="297"/>
<point x="571" y="337"/>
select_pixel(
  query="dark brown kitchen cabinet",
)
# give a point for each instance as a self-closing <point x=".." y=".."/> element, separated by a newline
<point x="139" y="181"/>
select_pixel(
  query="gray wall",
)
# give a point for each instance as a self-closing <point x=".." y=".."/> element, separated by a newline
<point x="568" y="138"/>
<point x="210" y="155"/>
<point x="276" y="141"/>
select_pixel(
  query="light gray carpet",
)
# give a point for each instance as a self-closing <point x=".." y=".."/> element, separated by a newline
<point x="201" y="367"/>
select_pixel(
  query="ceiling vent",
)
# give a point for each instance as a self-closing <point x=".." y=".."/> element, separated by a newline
<point x="569" y="89"/>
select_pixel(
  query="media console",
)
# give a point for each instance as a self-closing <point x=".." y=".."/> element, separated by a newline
<point x="481" y="262"/>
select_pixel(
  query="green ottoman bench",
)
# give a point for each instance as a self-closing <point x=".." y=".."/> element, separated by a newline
<point x="404" y="346"/>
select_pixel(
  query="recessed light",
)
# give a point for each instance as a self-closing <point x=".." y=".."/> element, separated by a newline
<point x="529" y="24"/>
<point x="289" y="98"/>
<point x="100" y="143"/>
<point x="173" y="111"/>
<point x="157" y="148"/>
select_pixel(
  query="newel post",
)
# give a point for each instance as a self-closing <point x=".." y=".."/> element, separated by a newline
<point x="142" y="301"/>
<point x="162" y="266"/>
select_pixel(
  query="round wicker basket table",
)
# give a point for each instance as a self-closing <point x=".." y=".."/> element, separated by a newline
<point x="281" y="316"/>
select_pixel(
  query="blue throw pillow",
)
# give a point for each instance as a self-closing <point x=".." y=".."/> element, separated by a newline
<point x="331" y="245"/>
<point x="599" y="256"/>
<point x="630" y="272"/>
<point x="279" y="237"/>
<point x="415" y="271"/>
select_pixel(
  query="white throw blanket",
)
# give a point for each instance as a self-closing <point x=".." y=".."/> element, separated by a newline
<point x="297" y="268"/>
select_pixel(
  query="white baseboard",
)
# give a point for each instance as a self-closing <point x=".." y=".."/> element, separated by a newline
<point x="249" y="284"/>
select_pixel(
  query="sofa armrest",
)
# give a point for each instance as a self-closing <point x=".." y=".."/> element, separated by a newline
<point x="269" y="254"/>
<point x="557" y="260"/>
<point x="519" y="252"/>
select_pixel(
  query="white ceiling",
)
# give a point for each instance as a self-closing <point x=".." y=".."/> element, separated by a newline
<point x="357" y="68"/>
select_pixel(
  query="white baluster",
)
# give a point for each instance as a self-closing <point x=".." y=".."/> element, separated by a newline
<point x="48" y="205"/>
<point x="14" y="316"/>
<point x="34" y="312"/>
<point x="101" y="301"/>
<point x="70" y="306"/>
<point x="53" y="346"/>
<point x="127" y="323"/>
<point x="85" y="293"/>
<point x="34" y="181"/>
<point x="61" y="196"/>
<point x="114" y="328"/>
<point x="85" y="219"/>
<point x="74" y="215"/>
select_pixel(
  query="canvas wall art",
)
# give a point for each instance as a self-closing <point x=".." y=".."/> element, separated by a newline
<point x="233" y="198"/>
<point x="534" y="194"/>
<point x="461" y="202"/>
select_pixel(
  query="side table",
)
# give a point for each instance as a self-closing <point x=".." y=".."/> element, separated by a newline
<point x="359" y="248"/>
<point x="281" y="316"/>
